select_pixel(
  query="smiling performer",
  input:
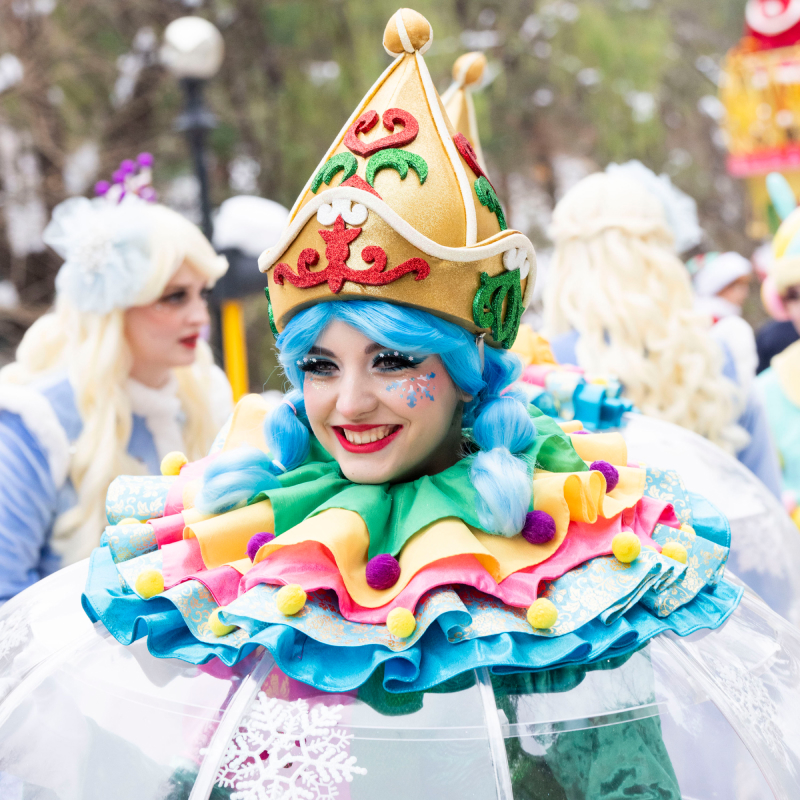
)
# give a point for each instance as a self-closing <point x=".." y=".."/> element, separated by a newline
<point x="113" y="379"/>
<point x="403" y="512"/>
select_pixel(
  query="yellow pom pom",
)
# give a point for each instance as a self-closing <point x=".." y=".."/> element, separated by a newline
<point x="675" y="550"/>
<point x="687" y="529"/>
<point x="290" y="599"/>
<point x="149" y="583"/>
<point x="795" y="515"/>
<point x="219" y="628"/>
<point x="130" y="521"/>
<point x="172" y="462"/>
<point x="542" y="614"/>
<point x="626" y="547"/>
<point x="401" y="623"/>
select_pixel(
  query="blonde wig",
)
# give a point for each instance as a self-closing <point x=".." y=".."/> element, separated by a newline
<point x="94" y="351"/>
<point x="615" y="279"/>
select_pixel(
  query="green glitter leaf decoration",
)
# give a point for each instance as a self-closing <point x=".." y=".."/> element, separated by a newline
<point x="487" y="307"/>
<point x="270" y="314"/>
<point x="488" y="198"/>
<point x="399" y="160"/>
<point x="345" y="161"/>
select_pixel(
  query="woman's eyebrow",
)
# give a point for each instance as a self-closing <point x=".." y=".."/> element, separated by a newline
<point x="373" y="348"/>
<point x="321" y="351"/>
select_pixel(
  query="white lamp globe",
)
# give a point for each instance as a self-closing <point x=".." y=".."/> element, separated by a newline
<point x="193" y="48"/>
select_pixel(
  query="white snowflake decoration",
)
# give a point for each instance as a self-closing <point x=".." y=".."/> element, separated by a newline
<point x="13" y="632"/>
<point x="285" y="750"/>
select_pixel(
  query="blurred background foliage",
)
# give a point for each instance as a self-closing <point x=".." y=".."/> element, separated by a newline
<point x="572" y="85"/>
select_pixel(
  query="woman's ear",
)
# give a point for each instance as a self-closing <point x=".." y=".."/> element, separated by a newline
<point x="464" y="397"/>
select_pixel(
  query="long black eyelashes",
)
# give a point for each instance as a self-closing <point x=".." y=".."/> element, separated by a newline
<point x="393" y="360"/>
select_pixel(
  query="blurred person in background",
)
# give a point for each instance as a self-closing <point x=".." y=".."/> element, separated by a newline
<point x="721" y="283"/>
<point x="619" y="301"/>
<point x="112" y="379"/>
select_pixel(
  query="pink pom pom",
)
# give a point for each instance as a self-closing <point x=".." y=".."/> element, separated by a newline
<point x="148" y="193"/>
<point x="383" y="571"/>
<point x="539" y="527"/>
<point x="610" y="473"/>
<point x="257" y="542"/>
<point x="101" y="188"/>
<point x="145" y="159"/>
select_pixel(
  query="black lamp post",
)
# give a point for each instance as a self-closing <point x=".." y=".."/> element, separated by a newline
<point x="193" y="50"/>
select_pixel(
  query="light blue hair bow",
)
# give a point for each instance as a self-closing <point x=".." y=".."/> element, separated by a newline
<point x="105" y="250"/>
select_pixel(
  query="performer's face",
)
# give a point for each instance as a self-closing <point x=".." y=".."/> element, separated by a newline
<point x="164" y="334"/>
<point x="382" y="415"/>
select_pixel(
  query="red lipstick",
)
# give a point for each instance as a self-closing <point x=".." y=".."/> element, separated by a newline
<point x="190" y="341"/>
<point x="369" y="447"/>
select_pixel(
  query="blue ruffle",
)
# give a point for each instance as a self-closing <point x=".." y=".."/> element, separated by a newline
<point x="432" y="660"/>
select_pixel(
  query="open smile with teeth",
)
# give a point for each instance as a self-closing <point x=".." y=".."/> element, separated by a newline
<point x="372" y="435"/>
<point x="366" y="438"/>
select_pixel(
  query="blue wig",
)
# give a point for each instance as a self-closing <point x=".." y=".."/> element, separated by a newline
<point x="501" y="425"/>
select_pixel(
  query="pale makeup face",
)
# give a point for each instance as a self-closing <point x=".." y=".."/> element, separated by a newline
<point x="383" y="415"/>
<point x="164" y="334"/>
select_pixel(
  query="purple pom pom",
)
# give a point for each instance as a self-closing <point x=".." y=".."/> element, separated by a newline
<point x="610" y="472"/>
<point x="118" y="176"/>
<point x="258" y="541"/>
<point x="539" y="527"/>
<point x="101" y="188"/>
<point x="148" y="193"/>
<point x="145" y="159"/>
<point x="383" y="571"/>
<point x="127" y="167"/>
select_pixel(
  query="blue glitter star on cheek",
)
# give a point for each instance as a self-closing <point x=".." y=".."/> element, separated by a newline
<point x="412" y="390"/>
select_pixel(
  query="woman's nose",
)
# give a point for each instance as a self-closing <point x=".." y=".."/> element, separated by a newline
<point x="198" y="312"/>
<point x="355" y="398"/>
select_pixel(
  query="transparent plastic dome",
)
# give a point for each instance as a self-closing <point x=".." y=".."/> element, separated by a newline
<point x="765" y="543"/>
<point x="713" y="715"/>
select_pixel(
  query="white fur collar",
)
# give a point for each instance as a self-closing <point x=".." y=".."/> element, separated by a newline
<point x="162" y="413"/>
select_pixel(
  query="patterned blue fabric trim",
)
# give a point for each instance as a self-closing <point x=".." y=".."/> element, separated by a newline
<point x="430" y="661"/>
<point x="605" y="608"/>
<point x="138" y="497"/>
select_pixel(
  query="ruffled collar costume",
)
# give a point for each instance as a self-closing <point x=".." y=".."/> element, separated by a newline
<point x="611" y="554"/>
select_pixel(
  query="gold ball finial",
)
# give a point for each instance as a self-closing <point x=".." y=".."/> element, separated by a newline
<point x="406" y="32"/>
<point x="469" y="68"/>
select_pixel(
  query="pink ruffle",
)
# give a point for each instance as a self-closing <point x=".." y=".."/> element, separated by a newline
<point x="312" y="565"/>
<point x="182" y="561"/>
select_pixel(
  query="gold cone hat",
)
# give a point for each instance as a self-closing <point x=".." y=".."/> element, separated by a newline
<point x="400" y="210"/>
